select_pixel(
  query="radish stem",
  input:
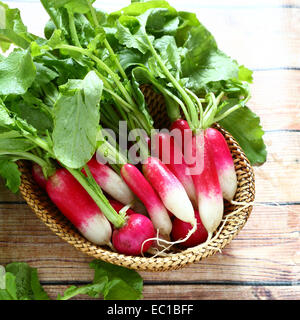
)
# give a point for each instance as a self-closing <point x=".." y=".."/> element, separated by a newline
<point x="97" y="195"/>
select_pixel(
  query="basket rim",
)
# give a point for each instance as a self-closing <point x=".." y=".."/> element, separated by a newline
<point x="50" y="215"/>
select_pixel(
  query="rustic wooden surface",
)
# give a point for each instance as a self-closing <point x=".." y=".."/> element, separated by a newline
<point x="262" y="262"/>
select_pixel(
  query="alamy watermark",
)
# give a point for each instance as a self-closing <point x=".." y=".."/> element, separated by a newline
<point x="138" y="146"/>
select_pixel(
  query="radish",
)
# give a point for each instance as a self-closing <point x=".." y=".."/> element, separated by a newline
<point x="224" y="163"/>
<point x="135" y="229"/>
<point x="181" y="229"/>
<point x="134" y="237"/>
<point x="165" y="147"/>
<point x="206" y="181"/>
<point x="77" y="206"/>
<point x="170" y="190"/>
<point x="144" y="191"/>
<point x="185" y="135"/>
<point x="110" y="182"/>
<point x="38" y="175"/>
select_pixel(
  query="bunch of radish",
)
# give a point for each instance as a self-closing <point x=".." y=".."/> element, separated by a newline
<point x="175" y="195"/>
<point x="178" y="205"/>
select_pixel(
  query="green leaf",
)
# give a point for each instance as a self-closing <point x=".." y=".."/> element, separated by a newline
<point x="10" y="172"/>
<point x="93" y="290"/>
<point x="44" y="75"/>
<point x="131" y="57"/>
<point x="245" y="127"/>
<point x="10" y="24"/>
<point x="34" y="112"/>
<point x="8" y="144"/>
<point x="17" y="72"/>
<point x="76" y="120"/>
<point x="9" y="120"/>
<point x="203" y="62"/>
<point x="131" y="35"/>
<point x="22" y="283"/>
<point x="38" y="291"/>
<point x="245" y="74"/>
<point x="12" y="29"/>
<point x="66" y="68"/>
<point x="110" y="281"/>
<point x="118" y="289"/>
<point x="123" y="283"/>
<point x="138" y="8"/>
<point x="169" y="54"/>
<point x="10" y="290"/>
<point x="85" y="31"/>
<point x="76" y="6"/>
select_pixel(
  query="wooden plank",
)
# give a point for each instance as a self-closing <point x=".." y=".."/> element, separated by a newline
<point x="275" y="98"/>
<point x="267" y="249"/>
<point x="277" y="178"/>
<point x="202" y="292"/>
<point x="7" y="196"/>
<point x="267" y="44"/>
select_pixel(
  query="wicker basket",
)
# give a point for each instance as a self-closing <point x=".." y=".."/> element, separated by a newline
<point x="50" y="215"/>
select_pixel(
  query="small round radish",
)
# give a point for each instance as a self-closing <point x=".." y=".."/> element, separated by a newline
<point x="78" y="207"/>
<point x="38" y="175"/>
<point x="224" y="163"/>
<point x="144" y="191"/>
<point x="170" y="189"/>
<point x="181" y="229"/>
<point x="167" y="150"/>
<point x="130" y="239"/>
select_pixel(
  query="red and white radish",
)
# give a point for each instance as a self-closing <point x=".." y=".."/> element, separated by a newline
<point x="110" y="182"/>
<point x="167" y="150"/>
<point x="78" y="207"/>
<point x="206" y="181"/>
<point x="182" y="133"/>
<point x="170" y="190"/>
<point x="135" y="236"/>
<point x="181" y="229"/>
<point x="144" y="191"/>
<point x="224" y="163"/>
<point x="38" y="175"/>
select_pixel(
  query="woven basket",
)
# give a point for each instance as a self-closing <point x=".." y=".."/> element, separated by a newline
<point x="50" y="215"/>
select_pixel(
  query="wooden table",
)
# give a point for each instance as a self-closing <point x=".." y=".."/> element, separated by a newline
<point x="262" y="262"/>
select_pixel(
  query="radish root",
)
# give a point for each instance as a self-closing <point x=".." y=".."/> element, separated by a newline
<point x="211" y="238"/>
<point x="170" y="243"/>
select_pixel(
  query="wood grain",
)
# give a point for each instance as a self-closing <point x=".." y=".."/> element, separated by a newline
<point x="202" y="292"/>
<point x="276" y="98"/>
<point x="254" y="40"/>
<point x="277" y="178"/>
<point x="267" y="249"/>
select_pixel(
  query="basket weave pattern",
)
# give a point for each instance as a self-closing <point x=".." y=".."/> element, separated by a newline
<point x="45" y="210"/>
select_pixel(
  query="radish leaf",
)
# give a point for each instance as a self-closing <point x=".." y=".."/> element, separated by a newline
<point x="76" y="120"/>
<point x="10" y="172"/>
<point x="17" y="73"/>
<point x="245" y="127"/>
